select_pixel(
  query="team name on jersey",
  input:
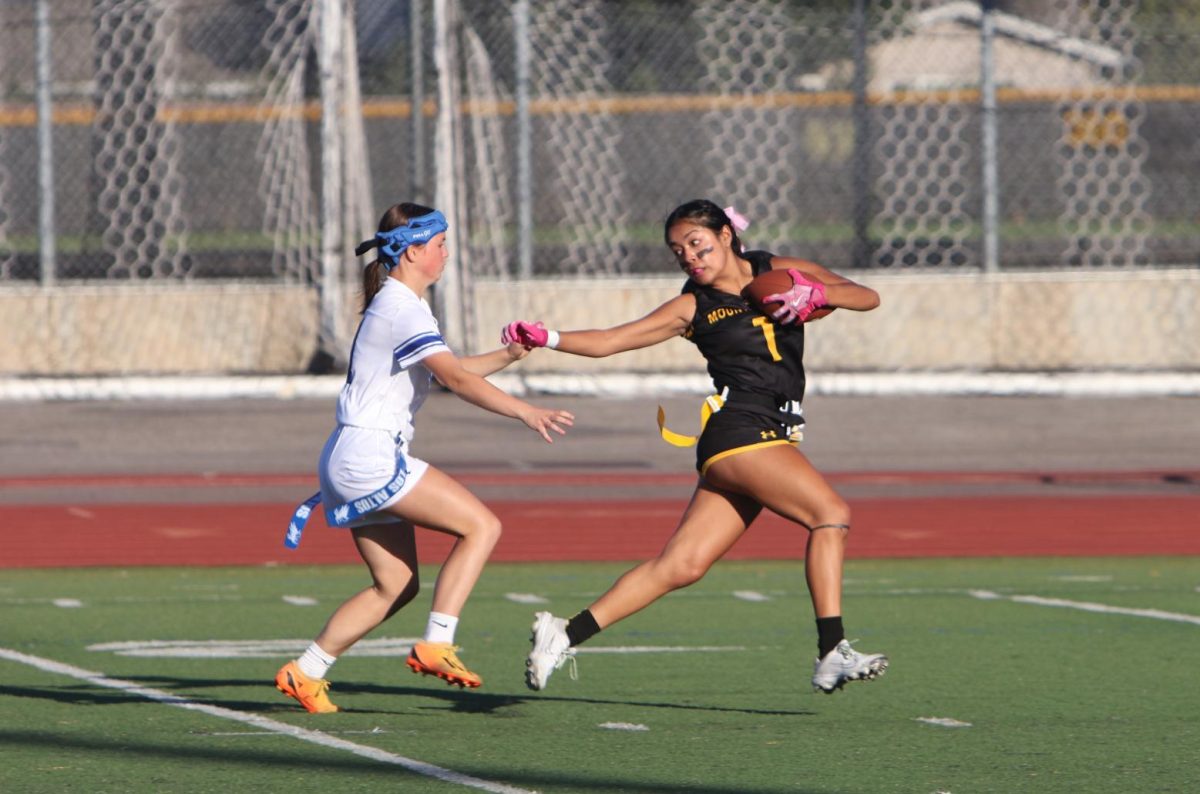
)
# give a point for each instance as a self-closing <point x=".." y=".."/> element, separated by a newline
<point x="723" y="312"/>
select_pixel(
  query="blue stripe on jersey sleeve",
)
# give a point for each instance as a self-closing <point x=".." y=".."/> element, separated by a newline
<point x="415" y="345"/>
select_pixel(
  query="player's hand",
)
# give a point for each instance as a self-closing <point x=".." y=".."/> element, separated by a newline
<point x="516" y="351"/>
<point x="543" y="420"/>
<point x="524" y="333"/>
<point x="800" y="301"/>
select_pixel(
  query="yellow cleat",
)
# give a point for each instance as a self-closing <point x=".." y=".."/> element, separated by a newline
<point x="440" y="659"/>
<point x="311" y="692"/>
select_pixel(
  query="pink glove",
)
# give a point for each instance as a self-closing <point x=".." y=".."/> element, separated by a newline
<point x="805" y="297"/>
<point x="523" y="333"/>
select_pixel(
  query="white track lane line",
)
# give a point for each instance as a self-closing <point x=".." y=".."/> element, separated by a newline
<point x="1087" y="606"/>
<point x="315" y="737"/>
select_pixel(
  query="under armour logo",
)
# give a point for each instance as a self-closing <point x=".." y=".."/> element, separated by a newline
<point x="766" y="434"/>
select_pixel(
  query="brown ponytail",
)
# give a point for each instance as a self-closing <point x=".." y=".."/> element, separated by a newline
<point x="372" y="281"/>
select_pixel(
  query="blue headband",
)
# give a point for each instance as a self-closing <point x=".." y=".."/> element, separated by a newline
<point x="391" y="244"/>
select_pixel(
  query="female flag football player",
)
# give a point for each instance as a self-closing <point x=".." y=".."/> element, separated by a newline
<point x="746" y="453"/>
<point x="371" y="484"/>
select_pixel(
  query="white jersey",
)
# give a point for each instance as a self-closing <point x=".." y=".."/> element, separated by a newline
<point x="386" y="382"/>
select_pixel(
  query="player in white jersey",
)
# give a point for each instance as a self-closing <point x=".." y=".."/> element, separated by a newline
<point x="370" y="482"/>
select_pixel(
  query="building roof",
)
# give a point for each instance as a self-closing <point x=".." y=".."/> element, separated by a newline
<point x="1013" y="26"/>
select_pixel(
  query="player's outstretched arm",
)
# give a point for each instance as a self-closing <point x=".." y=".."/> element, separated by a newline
<point x="485" y="364"/>
<point x="668" y="320"/>
<point x="451" y="373"/>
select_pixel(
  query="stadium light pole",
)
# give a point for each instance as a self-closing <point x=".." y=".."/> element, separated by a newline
<point x="45" y="140"/>
<point x="991" y="182"/>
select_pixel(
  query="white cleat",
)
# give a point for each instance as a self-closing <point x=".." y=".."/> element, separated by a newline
<point x="551" y="650"/>
<point x="844" y="664"/>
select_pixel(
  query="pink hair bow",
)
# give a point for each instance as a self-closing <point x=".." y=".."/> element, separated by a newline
<point x="737" y="220"/>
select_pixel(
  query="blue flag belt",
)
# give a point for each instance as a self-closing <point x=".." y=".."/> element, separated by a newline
<point x="344" y="514"/>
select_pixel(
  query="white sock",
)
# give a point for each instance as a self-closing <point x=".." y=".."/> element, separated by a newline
<point x="314" y="662"/>
<point x="440" y="627"/>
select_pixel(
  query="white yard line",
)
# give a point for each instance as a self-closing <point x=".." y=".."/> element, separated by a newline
<point x="526" y="598"/>
<point x="247" y="649"/>
<point x="623" y="726"/>
<point x="659" y="648"/>
<point x="282" y="728"/>
<point x="750" y="595"/>
<point x="1087" y="606"/>
<point x="382" y="646"/>
<point x="945" y="722"/>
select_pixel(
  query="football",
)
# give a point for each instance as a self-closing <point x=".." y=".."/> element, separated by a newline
<point x="774" y="282"/>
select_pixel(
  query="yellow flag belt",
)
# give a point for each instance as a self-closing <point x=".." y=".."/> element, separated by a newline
<point x="712" y="403"/>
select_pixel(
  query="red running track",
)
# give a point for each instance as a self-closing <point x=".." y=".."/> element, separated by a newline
<point x="252" y="534"/>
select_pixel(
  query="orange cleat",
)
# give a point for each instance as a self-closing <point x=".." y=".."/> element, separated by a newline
<point x="440" y="659"/>
<point x="311" y="692"/>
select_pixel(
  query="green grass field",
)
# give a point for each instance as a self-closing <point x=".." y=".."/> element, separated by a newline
<point x="1088" y="686"/>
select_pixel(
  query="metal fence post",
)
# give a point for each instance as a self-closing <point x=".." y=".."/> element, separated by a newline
<point x="448" y="172"/>
<point x="416" y="24"/>
<point x="329" y="38"/>
<point x="45" y="138"/>
<point x="524" y="142"/>
<point x="991" y="187"/>
<point x="862" y="148"/>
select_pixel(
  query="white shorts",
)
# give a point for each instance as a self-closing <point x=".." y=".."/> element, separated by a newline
<point x="356" y="462"/>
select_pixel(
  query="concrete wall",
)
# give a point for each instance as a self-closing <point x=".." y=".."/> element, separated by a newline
<point x="180" y="329"/>
<point x="1143" y="321"/>
<point x="1054" y="321"/>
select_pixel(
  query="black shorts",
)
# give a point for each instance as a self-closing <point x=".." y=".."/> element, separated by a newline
<point x="737" y="428"/>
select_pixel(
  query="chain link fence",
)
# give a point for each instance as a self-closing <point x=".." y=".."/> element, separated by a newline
<point x="185" y="141"/>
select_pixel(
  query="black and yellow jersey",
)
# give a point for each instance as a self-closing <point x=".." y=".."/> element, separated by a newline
<point x="747" y="351"/>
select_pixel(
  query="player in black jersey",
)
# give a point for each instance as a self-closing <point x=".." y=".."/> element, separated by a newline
<point x="745" y="454"/>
